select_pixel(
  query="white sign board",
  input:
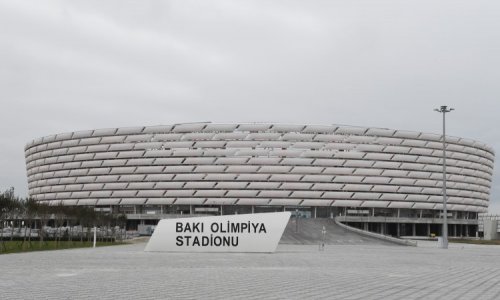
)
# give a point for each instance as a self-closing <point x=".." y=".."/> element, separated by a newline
<point x="231" y="233"/>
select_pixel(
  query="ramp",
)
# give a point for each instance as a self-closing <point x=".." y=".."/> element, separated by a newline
<point x="309" y="232"/>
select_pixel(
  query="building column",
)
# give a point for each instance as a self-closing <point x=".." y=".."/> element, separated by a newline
<point x="365" y="226"/>
<point x="190" y="209"/>
<point x="315" y="211"/>
<point x="397" y="227"/>
<point x="414" y="229"/>
<point x="253" y="209"/>
<point x="467" y="230"/>
<point x="428" y="229"/>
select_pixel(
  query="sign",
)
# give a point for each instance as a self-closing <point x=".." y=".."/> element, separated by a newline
<point x="230" y="233"/>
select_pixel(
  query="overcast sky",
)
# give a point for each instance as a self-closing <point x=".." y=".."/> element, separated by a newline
<point x="73" y="65"/>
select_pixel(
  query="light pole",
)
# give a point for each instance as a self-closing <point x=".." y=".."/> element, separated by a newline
<point x="444" y="109"/>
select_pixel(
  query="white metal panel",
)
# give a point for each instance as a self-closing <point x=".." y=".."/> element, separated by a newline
<point x="348" y="179"/>
<point x="289" y="177"/>
<point x="253" y="177"/>
<point x="179" y="193"/>
<point x="349" y="155"/>
<point x="114" y="163"/>
<point x="210" y="193"/>
<point x="368" y="196"/>
<point x="306" y="170"/>
<point x="160" y="201"/>
<point x="329" y="138"/>
<point x="395" y="173"/>
<point x="379" y="204"/>
<point x="140" y="185"/>
<point x="135" y="177"/>
<point x="318" y="202"/>
<point x="231" y="160"/>
<point x="118" y="194"/>
<point x="157" y="129"/>
<point x="198" y="136"/>
<point x="132" y="201"/>
<point x="252" y="201"/>
<point x="197" y="160"/>
<point x="220" y="177"/>
<point x="430" y="137"/>
<point x="337" y="195"/>
<point x="368" y="172"/>
<point x="122" y="170"/>
<point x="347" y="203"/>
<point x="380" y="132"/>
<point x="189" y="201"/>
<point x="360" y="139"/>
<point x="264" y="160"/>
<point x="263" y="185"/>
<point x="423" y="205"/>
<point x="188" y="152"/>
<point x="296" y="185"/>
<point x="89" y="202"/>
<point x="169" y="185"/>
<point x="230" y="136"/>
<point x="253" y="127"/>
<point x="417" y="198"/>
<point x="319" y="129"/>
<point x="287" y="128"/>
<point x="242" y="193"/>
<point x="285" y="202"/>
<point x="130" y="154"/>
<point x="115" y="186"/>
<point x="357" y="187"/>
<point x="150" y="169"/>
<point x="274" y="194"/>
<point x="85" y="179"/>
<point x="396" y="149"/>
<point x="263" y="136"/>
<point x="297" y="161"/>
<point x="286" y="153"/>
<point x="359" y="163"/>
<point x="220" y="201"/>
<point x="220" y="127"/>
<point x="251" y="152"/>
<point x="351" y="130"/>
<point x="393" y="197"/>
<point x="199" y="185"/>
<point x="231" y="185"/>
<point x="100" y="194"/>
<point x="387" y="165"/>
<point x="275" y="169"/>
<point x="296" y="136"/>
<point x="209" y="169"/>
<point x="410" y="189"/>
<point x="177" y="169"/>
<point x="400" y="204"/>
<point x="189" y="127"/>
<point x="209" y="144"/>
<point x="307" y="194"/>
<point x="317" y="178"/>
<point x="428" y="190"/>
<point x="388" y="141"/>
<point x="328" y="162"/>
<point x="317" y="186"/>
<point x="242" y="169"/>
<point x="105" y="155"/>
<point x="150" y="193"/>
<point x="385" y="188"/>
<point x="190" y="176"/>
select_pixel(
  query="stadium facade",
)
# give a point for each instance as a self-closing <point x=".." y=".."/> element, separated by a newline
<point x="383" y="180"/>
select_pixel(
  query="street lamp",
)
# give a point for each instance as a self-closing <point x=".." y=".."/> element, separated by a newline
<point x="444" y="109"/>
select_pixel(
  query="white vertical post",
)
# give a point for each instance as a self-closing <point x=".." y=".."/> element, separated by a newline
<point x="95" y="235"/>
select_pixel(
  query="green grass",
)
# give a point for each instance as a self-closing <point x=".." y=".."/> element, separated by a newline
<point x="19" y="246"/>
<point x="477" y="242"/>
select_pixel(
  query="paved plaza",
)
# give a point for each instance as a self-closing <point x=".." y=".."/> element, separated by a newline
<point x="293" y="272"/>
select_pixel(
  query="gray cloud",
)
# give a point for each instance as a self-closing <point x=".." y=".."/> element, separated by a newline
<point x="70" y="65"/>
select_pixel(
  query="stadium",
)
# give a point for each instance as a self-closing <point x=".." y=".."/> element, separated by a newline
<point x="383" y="180"/>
